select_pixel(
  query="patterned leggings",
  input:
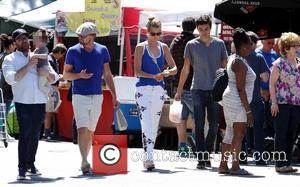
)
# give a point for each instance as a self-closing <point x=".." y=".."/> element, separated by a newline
<point x="150" y="100"/>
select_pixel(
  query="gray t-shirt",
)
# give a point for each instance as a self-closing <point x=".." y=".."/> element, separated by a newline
<point x="205" y="61"/>
<point x="41" y="62"/>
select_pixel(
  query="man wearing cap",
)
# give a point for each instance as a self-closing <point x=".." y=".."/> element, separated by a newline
<point x="85" y="64"/>
<point x="19" y="70"/>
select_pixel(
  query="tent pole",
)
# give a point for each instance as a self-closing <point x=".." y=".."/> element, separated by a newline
<point x="121" y="52"/>
<point x="139" y="35"/>
<point x="216" y="31"/>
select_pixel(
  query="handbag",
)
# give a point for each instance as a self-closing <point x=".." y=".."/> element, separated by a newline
<point x="220" y="84"/>
<point x="175" y="112"/>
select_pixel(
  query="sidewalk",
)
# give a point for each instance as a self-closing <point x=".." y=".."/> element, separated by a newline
<point x="59" y="164"/>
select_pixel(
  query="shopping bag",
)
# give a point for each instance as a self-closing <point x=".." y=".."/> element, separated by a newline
<point x="12" y="121"/>
<point x="121" y="120"/>
<point x="175" y="112"/>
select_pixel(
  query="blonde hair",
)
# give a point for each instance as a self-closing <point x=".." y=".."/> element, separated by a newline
<point x="153" y="23"/>
<point x="41" y="33"/>
<point x="287" y="40"/>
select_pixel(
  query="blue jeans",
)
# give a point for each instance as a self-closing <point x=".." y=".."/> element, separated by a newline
<point x="258" y="110"/>
<point x="285" y="125"/>
<point x="31" y="118"/>
<point x="201" y="100"/>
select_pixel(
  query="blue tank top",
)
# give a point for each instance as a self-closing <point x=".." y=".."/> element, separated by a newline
<point x="151" y="65"/>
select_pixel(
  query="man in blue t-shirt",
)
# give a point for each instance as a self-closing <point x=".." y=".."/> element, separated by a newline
<point x="258" y="64"/>
<point x="270" y="55"/>
<point x="85" y="64"/>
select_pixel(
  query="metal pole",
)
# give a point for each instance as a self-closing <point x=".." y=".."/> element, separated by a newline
<point x="121" y="52"/>
<point x="139" y="35"/>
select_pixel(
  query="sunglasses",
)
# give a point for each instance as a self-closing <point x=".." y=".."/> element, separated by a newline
<point x="155" y="33"/>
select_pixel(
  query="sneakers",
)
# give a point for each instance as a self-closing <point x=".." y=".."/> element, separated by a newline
<point x="33" y="172"/>
<point x="192" y="143"/>
<point x="208" y="163"/>
<point x="184" y="151"/>
<point x="149" y="165"/>
<point x="22" y="175"/>
<point x="201" y="165"/>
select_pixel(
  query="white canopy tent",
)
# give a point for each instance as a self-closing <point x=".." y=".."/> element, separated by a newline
<point x="44" y="16"/>
<point x="172" y="5"/>
<point x="171" y="14"/>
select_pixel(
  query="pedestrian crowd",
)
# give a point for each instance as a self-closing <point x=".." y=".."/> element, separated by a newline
<point x="261" y="100"/>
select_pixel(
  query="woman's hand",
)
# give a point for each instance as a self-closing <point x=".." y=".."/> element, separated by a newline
<point x="250" y="120"/>
<point x="159" y="76"/>
<point x="274" y="109"/>
<point x="166" y="73"/>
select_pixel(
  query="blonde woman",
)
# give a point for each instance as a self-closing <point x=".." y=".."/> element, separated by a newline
<point x="285" y="108"/>
<point x="149" y="62"/>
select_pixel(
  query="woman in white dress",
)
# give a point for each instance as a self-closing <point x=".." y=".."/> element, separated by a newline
<point x="236" y="99"/>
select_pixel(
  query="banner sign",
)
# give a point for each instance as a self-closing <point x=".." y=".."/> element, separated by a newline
<point x="104" y="13"/>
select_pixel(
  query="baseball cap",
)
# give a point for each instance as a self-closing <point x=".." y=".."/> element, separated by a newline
<point x="86" y="29"/>
<point x="19" y="32"/>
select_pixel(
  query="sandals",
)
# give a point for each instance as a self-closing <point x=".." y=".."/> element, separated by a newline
<point x="86" y="169"/>
<point x="239" y="172"/>
<point x="223" y="171"/>
<point x="149" y="165"/>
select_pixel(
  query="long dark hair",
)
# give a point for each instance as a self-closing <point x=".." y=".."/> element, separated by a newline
<point x="6" y="40"/>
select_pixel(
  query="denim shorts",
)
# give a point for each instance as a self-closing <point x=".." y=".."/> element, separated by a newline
<point x="187" y="105"/>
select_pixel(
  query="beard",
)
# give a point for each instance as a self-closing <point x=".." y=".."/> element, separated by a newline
<point x="24" y="47"/>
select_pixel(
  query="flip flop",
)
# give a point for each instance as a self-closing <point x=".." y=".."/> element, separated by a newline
<point x="224" y="172"/>
<point x="86" y="169"/>
<point x="240" y="172"/>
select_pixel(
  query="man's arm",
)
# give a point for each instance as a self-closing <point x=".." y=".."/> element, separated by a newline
<point x="41" y="56"/>
<point x="69" y="75"/>
<point x="110" y="83"/>
<point x="11" y="75"/>
<point x="183" y="76"/>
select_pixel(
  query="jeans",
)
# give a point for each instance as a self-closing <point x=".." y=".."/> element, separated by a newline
<point x="269" y="124"/>
<point x="203" y="100"/>
<point x="285" y="125"/>
<point x="31" y="118"/>
<point x="258" y="109"/>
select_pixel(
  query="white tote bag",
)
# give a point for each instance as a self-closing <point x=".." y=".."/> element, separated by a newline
<point x="121" y="120"/>
<point x="175" y="112"/>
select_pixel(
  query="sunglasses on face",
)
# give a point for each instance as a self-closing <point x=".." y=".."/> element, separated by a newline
<point x="155" y="33"/>
<point x="82" y="36"/>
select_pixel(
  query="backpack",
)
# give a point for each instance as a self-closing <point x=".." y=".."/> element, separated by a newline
<point x="6" y="88"/>
<point x="220" y="84"/>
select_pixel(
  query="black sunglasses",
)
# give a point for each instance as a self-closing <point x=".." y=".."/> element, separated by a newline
<point x="155" y="33"/>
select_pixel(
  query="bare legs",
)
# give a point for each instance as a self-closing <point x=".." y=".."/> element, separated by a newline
<point x="234" y="149"/>
<point x="181" y="131"/>
<point x="85" y="143"/>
